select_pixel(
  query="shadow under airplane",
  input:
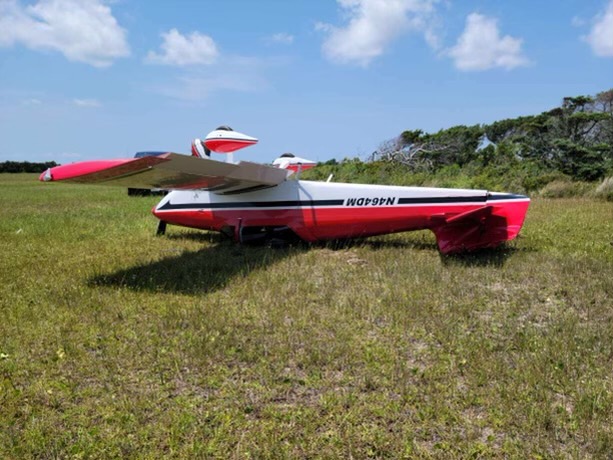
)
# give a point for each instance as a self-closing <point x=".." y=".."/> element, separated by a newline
<point x="196" y="272"/>
<point x="490" y="257"/>
<point x="213" y="267"/>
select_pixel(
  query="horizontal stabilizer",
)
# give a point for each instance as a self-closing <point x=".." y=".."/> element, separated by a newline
<point x="170" y="171"/>
<point x="476" y="215"/>
<point x="477" y="228"/>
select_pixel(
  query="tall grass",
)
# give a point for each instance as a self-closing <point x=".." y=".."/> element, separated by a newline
<point x="115" y="343"/>
<point x="605" y="189"/>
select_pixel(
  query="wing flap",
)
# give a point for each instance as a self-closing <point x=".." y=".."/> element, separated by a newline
<point x="170" y="171"/>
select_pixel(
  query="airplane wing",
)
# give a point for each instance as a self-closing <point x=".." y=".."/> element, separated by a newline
<point x="170" y="171"/>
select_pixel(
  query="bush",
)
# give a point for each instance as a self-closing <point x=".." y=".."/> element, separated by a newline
<point x="533" y="181"/>
<point x="566" y="189"/>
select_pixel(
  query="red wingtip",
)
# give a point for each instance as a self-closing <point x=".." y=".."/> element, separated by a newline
<point x="46" y="176"/>
<point x="81" y="168"/>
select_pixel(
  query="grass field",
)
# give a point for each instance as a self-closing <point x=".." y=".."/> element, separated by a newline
<point x="115" y="343"/>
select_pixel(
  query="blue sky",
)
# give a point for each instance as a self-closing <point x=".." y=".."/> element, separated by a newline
<point x="85" y="79"/>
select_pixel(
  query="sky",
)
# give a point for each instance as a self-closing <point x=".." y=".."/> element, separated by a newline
<point x="90" y="79"/>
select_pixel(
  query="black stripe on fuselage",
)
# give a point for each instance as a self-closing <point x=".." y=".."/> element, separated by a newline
<point x="252" y="204"/>
<point x="313" y="203"/>
<point x="443" y="200"/>
<point x="506" y="196"/>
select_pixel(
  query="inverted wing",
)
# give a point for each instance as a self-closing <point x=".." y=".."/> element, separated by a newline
<point x="170" y="171"/>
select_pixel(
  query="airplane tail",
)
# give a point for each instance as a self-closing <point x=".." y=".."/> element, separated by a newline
<point x="499" y="220"/>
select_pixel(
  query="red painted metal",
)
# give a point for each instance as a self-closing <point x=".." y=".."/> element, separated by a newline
<point x="461" y="220"/>
<point x="501" y="223"/>
<point x="220" y="145"/>
<point x="300" y="167"/>
<point x="69" y="171"/>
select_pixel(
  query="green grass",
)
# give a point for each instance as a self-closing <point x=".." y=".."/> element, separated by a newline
<point x="115" y="343"/>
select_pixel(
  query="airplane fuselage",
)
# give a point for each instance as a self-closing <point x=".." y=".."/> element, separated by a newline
<point x="324" y="210"/>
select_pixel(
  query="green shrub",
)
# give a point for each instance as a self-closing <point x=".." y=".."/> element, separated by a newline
<point x="561" y="188"/>
<point x="533" y="180"/>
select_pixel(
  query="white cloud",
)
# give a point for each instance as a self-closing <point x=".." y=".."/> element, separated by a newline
<point x="86" y="102"/>
<point x="480" y="47"/>
<point x="180" y="50"/>
<point x="600" y="37"/>
<point x="197" y="79"/>
<point x="373" y="25"/>
<point x="238" y="74"/>
<point x="578" y="21"/>
<point x="82" y="30"/>
<point x="32" y="101"/>
<point x="281" y="38"/>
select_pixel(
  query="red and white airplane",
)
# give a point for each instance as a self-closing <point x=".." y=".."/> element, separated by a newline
<point x="250" y="201"/>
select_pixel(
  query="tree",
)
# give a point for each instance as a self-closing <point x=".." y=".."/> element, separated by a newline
<point x="422" y="151"/>
<point x="580" y="162"/>
<point x="575" y="138"/>
<point x="25" y="166"/>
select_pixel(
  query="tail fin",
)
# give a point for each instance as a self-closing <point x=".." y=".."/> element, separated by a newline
<point x="484" y="227"/>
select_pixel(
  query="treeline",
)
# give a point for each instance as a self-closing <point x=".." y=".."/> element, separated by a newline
<point x="570" y="144"/>
<point x="25" y="166"/>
